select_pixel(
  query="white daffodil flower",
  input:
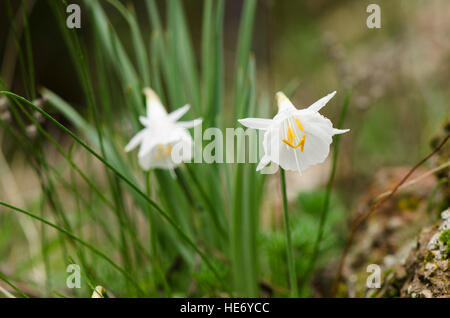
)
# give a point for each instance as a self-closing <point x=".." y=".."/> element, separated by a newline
<point x="295" y="138"/>
<point x="161" y="133"/>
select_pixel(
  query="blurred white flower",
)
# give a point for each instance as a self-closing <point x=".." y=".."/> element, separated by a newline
<point x="295" y="138"/>
<point x="99" y="292"/>
<point x="161" y="133"/>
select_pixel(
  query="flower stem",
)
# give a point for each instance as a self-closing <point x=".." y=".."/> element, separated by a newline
<point x="289" y="250"/>
<point x="156" y="269"/>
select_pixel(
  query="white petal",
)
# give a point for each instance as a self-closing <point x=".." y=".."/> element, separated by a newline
<point x="264" y="162"/>
<point x="189" y="124"/>
<point x="321" y="102"/>
<point x="150" y="160"/>
<point x="144" y="121"/>
<point x="155" y="108"/>
<point x="256" y="123"/>
<point x="340" y="131"/>
<point x="316" y="150"/>
<point x="135" y="141"/>
<point x="160" y="158"/>
<point x="147" y="145"/>
<point x="177" y="114"/>
<point x="145" y="162"/>
<point x="283" y="102"/>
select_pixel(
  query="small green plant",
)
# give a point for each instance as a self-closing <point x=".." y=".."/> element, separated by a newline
<point x="445" y="240"/>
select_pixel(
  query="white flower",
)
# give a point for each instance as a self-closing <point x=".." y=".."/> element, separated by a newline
<point x="295" y="138"/>
<point x="161" y="134"/>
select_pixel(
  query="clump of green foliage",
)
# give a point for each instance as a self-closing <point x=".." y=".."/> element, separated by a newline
<point x="147" y="234"/>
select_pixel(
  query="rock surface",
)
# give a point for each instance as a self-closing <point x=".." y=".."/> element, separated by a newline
<point x="427" y="266"/>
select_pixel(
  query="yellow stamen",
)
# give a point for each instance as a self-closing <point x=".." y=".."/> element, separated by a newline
<point x="299" y="124"/>
<point x="302" y="143"/>
<point x="291" y="137"/>
<point x="164" y="152"/>
<point x="291" y="134"/>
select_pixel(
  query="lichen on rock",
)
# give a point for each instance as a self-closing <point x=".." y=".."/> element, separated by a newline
<point x="428" y="264"/>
